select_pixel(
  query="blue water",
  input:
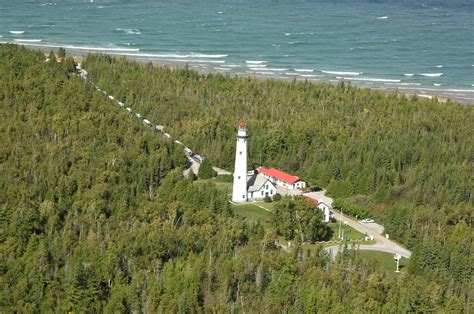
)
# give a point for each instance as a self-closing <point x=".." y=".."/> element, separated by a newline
<point x="416" y="46"/>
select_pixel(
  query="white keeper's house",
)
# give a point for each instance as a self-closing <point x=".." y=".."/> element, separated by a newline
<point x="283" y="179"/>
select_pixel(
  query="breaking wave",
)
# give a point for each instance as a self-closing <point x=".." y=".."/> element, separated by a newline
<point x="431" y="74"/>
<point x="342" y="73"/>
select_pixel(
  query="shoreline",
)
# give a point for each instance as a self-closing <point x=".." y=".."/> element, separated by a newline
<point x="426" y="93"/>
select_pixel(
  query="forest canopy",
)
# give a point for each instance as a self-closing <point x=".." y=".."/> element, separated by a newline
<point x="96" y="215"/>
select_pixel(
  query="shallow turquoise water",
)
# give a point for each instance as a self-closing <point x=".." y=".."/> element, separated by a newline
<point x="415" y="46"/>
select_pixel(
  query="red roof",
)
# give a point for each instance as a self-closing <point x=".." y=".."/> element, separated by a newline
<point x="312" y="200"/>
<point x="278" y="174"/>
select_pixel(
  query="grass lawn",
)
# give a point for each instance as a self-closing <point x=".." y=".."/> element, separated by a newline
<point x="270" y="206"/>
<point x="383" y="261"/>
<point x="349" y="233"/>
<point x="221" y="186"/>
<point x="252" y="212"/>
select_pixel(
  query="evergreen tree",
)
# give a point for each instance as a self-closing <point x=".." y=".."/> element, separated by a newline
<point x="205" y="169"/>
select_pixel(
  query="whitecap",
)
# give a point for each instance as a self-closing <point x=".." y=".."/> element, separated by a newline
<point x="103" y="48"/>
<point x="256" y="65"/>
<point x="310" y="75"/>
<point x="409" y="74"/>
<point x="131" y="31"/>
<point x="369" y="79"/>
<point x="410" y="84"/>
<point x="265" y="73"/>
<point x="182" y="56"/>
<point x="268" y="69"/>
<point x="88" y="48"/>
<point x="231" y="65"/>
<point x="221" y="69"/>
<point x="438" y="66"/>
<point x="382" y="17"/>
<point x="202" y="55"/>
<point x="17" y="32"/>
<point x="304" y="70"/>
<point x="28" y="40"/>
<point x="255" y="62"/>
<point x="341" y="73"/>
<point x="431" y="74"/>
<point x="437" y="84"/>
<point x="47" y="3"/>
<point x="167" y="59"/>
<point x="293" y="74"/>
<point x="287" y="34"/>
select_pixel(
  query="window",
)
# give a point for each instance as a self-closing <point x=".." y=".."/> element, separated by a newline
<point x="243" y="196"/>
<point x="238" y="178"/>
<point x="271" y="192"/>
<point x="240" y="153"/>
<point x="262" y="193"/>
<point x="267" y="187"/>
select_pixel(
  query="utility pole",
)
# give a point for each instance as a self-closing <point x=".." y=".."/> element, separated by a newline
<point x="340" y="225"/>
<point x="397" y="258"/>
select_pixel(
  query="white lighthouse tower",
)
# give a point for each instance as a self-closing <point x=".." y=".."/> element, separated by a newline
<point x="239" y="192"/>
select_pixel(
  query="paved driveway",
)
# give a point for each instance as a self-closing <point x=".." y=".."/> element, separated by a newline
<point x="382" y="244"/>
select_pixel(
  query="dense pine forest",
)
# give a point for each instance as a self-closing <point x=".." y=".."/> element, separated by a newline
<point x="96" y="215"/>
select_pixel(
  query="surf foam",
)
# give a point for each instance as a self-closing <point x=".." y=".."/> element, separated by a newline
<point x="369" y="79"/>
<point x="255" y="62"/>
<point x="28" y="40"/>
<point x="342" y="73"/>
<point x="431" y="74"/>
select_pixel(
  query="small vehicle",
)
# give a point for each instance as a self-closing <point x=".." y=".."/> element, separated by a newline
<point x="121" y="104"/>
<point x="178" y="142"/>
<point x="128" y="109"/>
<point x="159" y="128"/>
<point x="187" y="151"/>
<point x="146" y="122"/>
<point x="167" y="135"/>
<point x="197" y="158"/>
<point x="367" y="220"/>
<point x="139" y="116"/>
<point x="111" y="97"/>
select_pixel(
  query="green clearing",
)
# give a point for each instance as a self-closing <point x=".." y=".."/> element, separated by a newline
<point x="252" y="212"/>
<point x="382" y="261"/>
<point x="349" y="233"/>
<point x="221" y="186"/>
<point x="270" y="206"/>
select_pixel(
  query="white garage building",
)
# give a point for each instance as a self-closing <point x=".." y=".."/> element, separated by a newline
<point x="282" y="179"/>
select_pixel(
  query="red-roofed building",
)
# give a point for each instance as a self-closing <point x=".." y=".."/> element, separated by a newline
<point x="282" y="178"/>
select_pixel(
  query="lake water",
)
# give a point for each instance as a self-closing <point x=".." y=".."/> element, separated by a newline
<point x="414" y="46"/>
